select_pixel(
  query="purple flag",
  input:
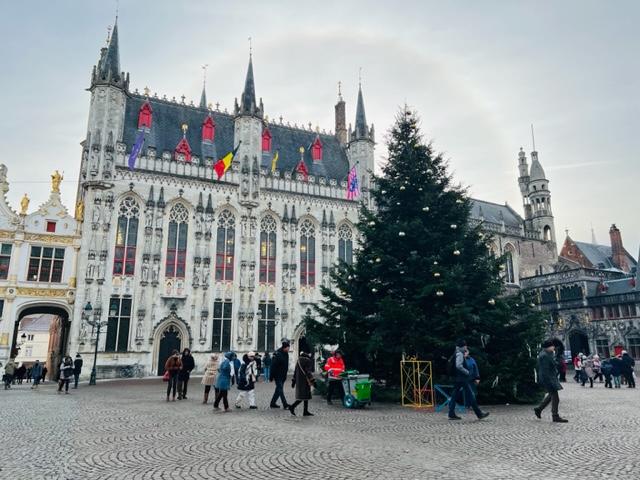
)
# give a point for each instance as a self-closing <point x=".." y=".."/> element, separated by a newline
<point x="135" y="151"/>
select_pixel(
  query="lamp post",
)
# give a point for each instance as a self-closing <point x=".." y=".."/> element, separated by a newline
<point x="96" y="323"/>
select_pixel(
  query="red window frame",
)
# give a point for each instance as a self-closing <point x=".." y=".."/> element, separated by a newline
<point x="124" y="258"/>
<point x="267" y="272"/>
<point x="176" y="263"/>
<point x="225" y="250"/>
<point x="5" y="261"/>
<point x="307" y="261"/>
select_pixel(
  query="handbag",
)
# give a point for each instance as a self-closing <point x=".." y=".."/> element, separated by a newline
<point x="165" y="377"/>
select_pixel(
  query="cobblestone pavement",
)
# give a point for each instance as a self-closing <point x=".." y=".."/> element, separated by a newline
<point x="126" y="430"/>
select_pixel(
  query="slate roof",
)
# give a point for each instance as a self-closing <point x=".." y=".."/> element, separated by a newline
<point x="166" y="133"/>
<point x="616" y="287"/>
<point x="495" y="213"/>
<point x="600" y="256"/>
<point x="39" y="323"/>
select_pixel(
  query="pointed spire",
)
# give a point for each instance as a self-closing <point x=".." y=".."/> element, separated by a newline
<point x="285" y="217"/>
<point x="209" y="208"/>
<point x="200" y="207"/>
<point x="203" y="97"/>
<point x="248" y="103"/>
<point x="361" y="129"/>
<point x="161" y="203"/>
<point x="293" y="218"/>
<point x="593" y="235"/>
<point x="151" y="201"/>
<point x="111" y="62"/>
<point x="324" y="223"/>
<point x="332" y="222"/>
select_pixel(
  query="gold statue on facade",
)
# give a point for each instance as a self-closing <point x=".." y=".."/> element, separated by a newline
<point x="24" y="204"/>
<point x="80" y="210"/>
<point x="56" y="178"/>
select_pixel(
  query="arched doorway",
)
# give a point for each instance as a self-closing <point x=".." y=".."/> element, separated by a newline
<point x="170" y="340"/>
<point x="579" y="343"/>
<point x="59" y="329"/>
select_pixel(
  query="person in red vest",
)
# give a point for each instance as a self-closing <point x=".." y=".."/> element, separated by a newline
<point x="334" y="367"/>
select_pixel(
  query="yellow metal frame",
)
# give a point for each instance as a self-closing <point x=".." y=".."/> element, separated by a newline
<point x="417" y="383"/>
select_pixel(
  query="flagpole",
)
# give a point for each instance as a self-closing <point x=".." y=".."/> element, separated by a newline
<point x="354" y="165"/>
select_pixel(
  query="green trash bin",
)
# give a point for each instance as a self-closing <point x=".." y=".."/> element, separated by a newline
<point x="357" y="389"/>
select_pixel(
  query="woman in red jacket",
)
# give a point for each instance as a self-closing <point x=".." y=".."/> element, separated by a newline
<point x="334" y="367"/>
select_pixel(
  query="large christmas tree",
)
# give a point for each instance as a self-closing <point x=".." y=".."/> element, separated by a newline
<point x="422" y="277"/>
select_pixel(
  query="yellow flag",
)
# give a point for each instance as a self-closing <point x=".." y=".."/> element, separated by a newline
<point x="274" y="161"/>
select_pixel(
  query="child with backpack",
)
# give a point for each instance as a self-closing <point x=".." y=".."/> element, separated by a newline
<point x="247" y="376"/>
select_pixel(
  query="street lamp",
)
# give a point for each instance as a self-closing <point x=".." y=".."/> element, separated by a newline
<point x="97" y="324"/>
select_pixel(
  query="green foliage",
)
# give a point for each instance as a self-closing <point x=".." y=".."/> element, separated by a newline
<point x="423" y="276"/>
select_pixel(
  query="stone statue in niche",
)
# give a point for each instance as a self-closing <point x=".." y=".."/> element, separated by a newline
<point x="241" y="328"/>
<point x="256" y="179"/>
<point x="148" y="218"/>
<point x="108" y="161"/>
<point x="243" y="277"/>
<point x="198" y="223"/>
<point x="96" y="214"/>
<point x="252" y="228"/>
<point x="196" y="276"/>
<point x="285" y="278"/>
<point x="207" y="272"/>
<point x="102" y="267"/>
<point x="145" y="270"/>
<point x="245" y="184"/>
<point x="139" y="329"/>
<point x="208" y="224"/>
<point x="108" y="211"/>
<point x="91" y="265"/>
<point x="155" y="274"/>
<point x="203" y="328"/>
<point x="159" y="221"/>
<point x="83" y="329"/>
<point x="95" y="151"/>
<point x="252" y="279"/>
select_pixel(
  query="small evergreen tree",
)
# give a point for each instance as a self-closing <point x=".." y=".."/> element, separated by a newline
<point x="422" y="277"/>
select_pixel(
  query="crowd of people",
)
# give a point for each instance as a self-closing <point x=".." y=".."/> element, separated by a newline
<point x="15" y="375"/>
<point x="612" y="371"/>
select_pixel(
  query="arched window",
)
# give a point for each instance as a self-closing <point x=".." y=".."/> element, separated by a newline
<point x="345" y="244"/>
<point x="124" y="258"/>
<point x="225" y="246"/>
<point x="509" y="273"/>
<point x="307" y="253"/>
<point x="268" y="250"/>
<point x="177" y="241"/>
<point x="547" y="233"/>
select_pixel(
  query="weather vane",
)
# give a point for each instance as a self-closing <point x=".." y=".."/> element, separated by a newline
<point x="204" y="67"/>
<point x="250" y="47"/>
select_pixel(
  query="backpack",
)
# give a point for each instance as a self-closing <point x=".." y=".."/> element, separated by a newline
<point x="452" y="371"/>
<point x="242" y="376"/>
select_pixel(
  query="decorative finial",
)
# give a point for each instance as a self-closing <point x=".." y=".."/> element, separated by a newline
<point x="317" y="128"/>
<point x="360" y="77"/>
<point x="204" y="67"/>
<point x="533" y="139"/>
<point x="56" y="178"/>
<point x="250" y="48"/>
<point x="339" y="90"/>
<point x="24" y="204"/>
<point x="108" y="34"/>
<point x="209" y="105"/>
<point x="266" y="119"/>
<point x="566" y="231"/>
<point x="301" y="150"/>
<point x="185" y="127"/>
<point x="146" y="92"/>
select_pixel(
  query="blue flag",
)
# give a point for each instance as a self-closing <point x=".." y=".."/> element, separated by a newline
<point x="135" y="151"/>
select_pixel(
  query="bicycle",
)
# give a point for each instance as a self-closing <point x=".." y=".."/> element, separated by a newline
<point x="130" y="371"/>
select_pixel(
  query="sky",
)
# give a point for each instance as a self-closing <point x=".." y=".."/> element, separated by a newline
<point x="479" y="73"/>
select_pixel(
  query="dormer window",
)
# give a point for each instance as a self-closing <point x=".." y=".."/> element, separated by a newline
<point x="145" y="117"/>
<point x="266" y="140"/>
<point x="208" y="129"/>
<point x="316" y="149"/>
<point x="184" y="148"/>
<point x="51" y="226"/>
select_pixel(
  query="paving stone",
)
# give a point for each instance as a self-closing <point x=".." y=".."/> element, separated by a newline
<point x="126" y="430"/>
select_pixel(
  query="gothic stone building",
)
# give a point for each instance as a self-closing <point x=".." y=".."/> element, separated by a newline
<point x="173" y="257"/>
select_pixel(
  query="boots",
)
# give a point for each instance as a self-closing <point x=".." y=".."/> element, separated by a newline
<point x="206" y="398"/>
<point x="559" y="419"/>
<point x="307" y="413"/>
<point x="292" y="407"/>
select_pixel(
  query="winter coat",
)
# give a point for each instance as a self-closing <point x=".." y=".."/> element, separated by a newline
<point x="472" y="366"/>
<point x="303" y="378"/>
<point x="173" y="365"/>
<point x="462" y="372"/>
<point x="587" y="366"/>
<point x="606" y="367"/>
<point x="251" y="372"/>
<point x="77" y="366"/>
<point x="334" y="367"/>
<point x="188" y="364"/>
<point x="223" y="382"/>
<point x="280" y="365"/>
<point x="66" y="369"/>
<point x="10" y="367"/>
<point x="616" y="365"/>
<point x="547" y="372"/>
<point x="266" y="360"/>
<point x="210" y="372"/>
<point x="36" y="370"/>
<point x="627" y="364"/>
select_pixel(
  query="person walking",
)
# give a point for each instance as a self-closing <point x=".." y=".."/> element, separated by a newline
<point x="258" y="366"/>
<point x="279" y="368"/>
<point x="474" y="372"/>
<point x="44" y="373"/>
<point x="266" y="366"/>
<point x="210" y="373"/>
<point x="627" y="369"/>
<point x="606" y="368"/>
<point x="247" y="378"/>
<point x="29" y="369"/>
<point x="587" y="372"/>
<point x="173" y="366"/>
<point x="77" y="369"/>
<point x="223" y="382"/>
<point x="461" y="383"/>
<point x="66" y="371"/>
<point x="20" y="373"/>
<point x="334" y="367"/>
<point x="577" y="364"/>
<point x="9" y="369"/>
<point x="36" y="371"/>
<point x="597" y="372"/>
<point x="548" y="379"/>
<point x="616" y="370"/>
<point x="188" y="364"/>
<point x="302" y="380"/>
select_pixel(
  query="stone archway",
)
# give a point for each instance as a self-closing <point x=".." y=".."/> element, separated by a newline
<point x="578" y="343"/>
<point x="171" y="333"/>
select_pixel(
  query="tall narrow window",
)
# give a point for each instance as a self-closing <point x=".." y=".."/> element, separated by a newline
<point x="177" y="241"/>
<point x="5" y="260"/>
<point x="221" y="326"/>
<point x="602" y="347"/>
<point x="268" y="250"/>
<point x="307" y="253"/>
<point x="45" y="264"/>
<point x="225" y="246"/>
<point x="509" y="275"/>
<point x="124" y="259"/>
<point x="345" y="244"/>
<point x="117" y="339"/>
<point x="267" y="327"/>
<point x="634" y="347"/>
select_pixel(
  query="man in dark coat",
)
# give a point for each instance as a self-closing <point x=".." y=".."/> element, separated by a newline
<point x="77" y="369"/>
<point x="184" y="374"/>
<point x="279" y="368"/>
<point x="627" y="369"/>
<point x="548" y="379"/>
<point x="461" y="384"/>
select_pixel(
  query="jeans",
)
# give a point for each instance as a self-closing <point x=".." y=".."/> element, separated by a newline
<point x="36" y="381"/>
<point x="76" y="377"/>
<point x="554" y="399"/>
<point x="172" y="384"/>
<point x="607" y="380"/>
<point x="279" y="393"/>
<point x="63" y="382"/>
<point x="267" y="371"/>
<point x="182" y="387"/>
<point x="616" y="381"/>
<point x="459" y="387"/>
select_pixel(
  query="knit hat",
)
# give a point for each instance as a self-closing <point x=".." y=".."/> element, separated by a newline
<point x="285" y="343"/>
<point x="77" y="355"/>
<point x="461" y="342"/>
<point x="623" y="352"/>
<point x="251" y="354"/>
<point x="547" y="344"/>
